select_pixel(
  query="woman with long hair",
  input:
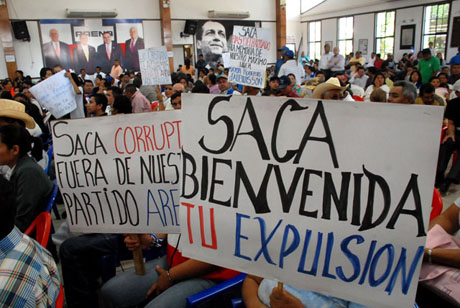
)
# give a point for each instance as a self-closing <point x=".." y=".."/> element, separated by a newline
<point x="377" y="83"/>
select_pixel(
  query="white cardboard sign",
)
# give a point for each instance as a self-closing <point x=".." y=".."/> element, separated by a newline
<point x="120" y="174"/>
<point x="332" y="197"/>
<point x="56" y="94"/>
<point x="154" y="64"/>
<point x="249" y="54"/>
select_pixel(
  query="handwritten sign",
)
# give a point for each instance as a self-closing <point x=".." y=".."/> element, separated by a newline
<point x="297" y="190"/>
<point x="56" y="94"/>
<point x="249" y="52"/>
<point x="154" y="64"/>
<point x="120" y="174"/>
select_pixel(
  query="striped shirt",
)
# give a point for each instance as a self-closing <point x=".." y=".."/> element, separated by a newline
<point x="28" y="273"/>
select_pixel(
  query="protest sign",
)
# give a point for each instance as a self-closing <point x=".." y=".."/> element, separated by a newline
<point x="120" y="174"/>
<point x="332" y="197"/>
<point x="56" y="94"/>
<point x="249" y="52"/>
<point x="154" y="64"/>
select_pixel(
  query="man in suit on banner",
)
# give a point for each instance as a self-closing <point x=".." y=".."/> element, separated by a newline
<point x="84" y="56"/>
<point x="132" y="47"/>
<point x="56" y="52"/>
<point x="108" y="52"/>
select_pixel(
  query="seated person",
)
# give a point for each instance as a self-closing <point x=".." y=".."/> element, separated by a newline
<point x="258" y="293"/>
<point x="442" y="257"/>
<point x="427" y="96"/>
<point x="173" y="276"/>
<point x="29" y="276"/>
<point x="32" y="186"/>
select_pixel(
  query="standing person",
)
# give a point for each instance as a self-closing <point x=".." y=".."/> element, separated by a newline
<point x="132" y="47"/>
<point x="200" y="64"/>
<point x="138" y="101"/>
<point x="116" y="70"/>
<point x="97" y="105"/>
<point x="324" y="61"/>
<point x="79" y="112"/>
<point x="188" y="69"/>
<point x="428" y="66"/>
<point x="336" y="63"/>
<point x="108" y="52"/>
<point x="56" y="51"/>
<point x="84" y="56"/>
<point x="211" y="42"/>
<point x="431" y="48"/>
<point x="291" y="66"/>
<point x="280" y="60"/>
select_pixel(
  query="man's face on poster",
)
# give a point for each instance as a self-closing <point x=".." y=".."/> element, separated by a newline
<point x="107" y="38"/>
<point x="214" y="38"/>
<point x="54" y="35"/>
<point x="84" y="39"/>
<point x="133" y="33"/>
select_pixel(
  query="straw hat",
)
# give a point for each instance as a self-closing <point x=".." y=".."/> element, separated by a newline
<point x="15" y="110"/>
<point x="331" y="84"/>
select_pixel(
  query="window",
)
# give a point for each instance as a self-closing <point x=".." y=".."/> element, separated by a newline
<point x="435" y="21"/>
<point x="385" y="33"/>
<point x="314" y="40"/>
<point x="345" y="37"/>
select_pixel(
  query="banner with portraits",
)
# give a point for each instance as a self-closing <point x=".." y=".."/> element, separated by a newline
<point x="87" y="43"/>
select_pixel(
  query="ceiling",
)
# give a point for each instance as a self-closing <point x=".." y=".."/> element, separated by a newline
<point x="339" y="5"/>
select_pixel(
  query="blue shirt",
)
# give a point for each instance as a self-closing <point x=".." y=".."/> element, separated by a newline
<point x="455" y="59"/>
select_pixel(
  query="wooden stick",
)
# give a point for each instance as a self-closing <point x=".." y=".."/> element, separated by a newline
<point x="280" y="286"/>
<point x="138" y="259"/>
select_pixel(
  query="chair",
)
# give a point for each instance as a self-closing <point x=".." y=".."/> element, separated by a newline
<point x="436" y="205"/>
<point x="60" y="298"/>
<point x="49" y="153"/>
<point x="52" y="202"/>
<point x="219" y="289"/>
<point x="42" y="227"/>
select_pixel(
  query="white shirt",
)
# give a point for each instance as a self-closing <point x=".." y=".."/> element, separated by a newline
<point x="367" y="94"/>
<point x="292" y="67"/>
<point x="370" y="63"/>
<point x="79" y="112"/>
<point x="324" y="60"/>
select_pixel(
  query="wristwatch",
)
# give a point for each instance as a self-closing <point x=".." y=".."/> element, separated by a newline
<point x="429" y="255"/>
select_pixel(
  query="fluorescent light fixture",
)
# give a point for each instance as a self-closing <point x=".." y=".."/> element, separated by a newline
<point x="306" y="5"/>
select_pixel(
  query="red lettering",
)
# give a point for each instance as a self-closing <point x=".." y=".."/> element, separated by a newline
<point x="189" y="224"/>
<point x="213" y="229"/>
<point x="116" y="147"/>
<point x="138" y="131"/>
<point x="155" y="138"/>
<point x="178" y="132"/>
<point x="147" y="137"/>
<point x="168" y="134"/>
<point x="124" y="139"/>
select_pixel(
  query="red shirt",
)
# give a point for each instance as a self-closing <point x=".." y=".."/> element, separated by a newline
<point x="378" y="64"/>
<point x="220" y="274"/>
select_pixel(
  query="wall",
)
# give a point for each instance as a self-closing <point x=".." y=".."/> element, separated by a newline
<point x="455" y="11"/>
<point x="29" y="57"/>
<point x="364" y="24"/>
<point x="409" y="16"/>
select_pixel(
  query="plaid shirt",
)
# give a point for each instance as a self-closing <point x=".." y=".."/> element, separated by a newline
<point x="28" y="273"/>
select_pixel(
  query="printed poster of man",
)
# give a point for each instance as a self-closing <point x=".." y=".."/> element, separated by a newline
<point x="213" y="37"/>
<point x="88" y="43"/>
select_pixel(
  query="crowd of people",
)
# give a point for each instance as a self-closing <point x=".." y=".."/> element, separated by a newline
<point x="25" y="187"/>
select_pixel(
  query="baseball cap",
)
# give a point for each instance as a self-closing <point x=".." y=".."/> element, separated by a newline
<point x="284" y="48"/>
<point x="288" y="53"/>
<point x="284" y="82"/>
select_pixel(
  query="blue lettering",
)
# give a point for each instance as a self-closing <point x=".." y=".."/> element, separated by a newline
<point x="354" y="260"/>
<point x="238" y="236"/>
<point x="330" y="245"/>
<point x="314" y="266"/>
<point x="401" y="266"/>
<point x="391" y="255"/>
<point x="294" y="244"/>
<point x="150" y="196"/>
<point x="264" y="240"/>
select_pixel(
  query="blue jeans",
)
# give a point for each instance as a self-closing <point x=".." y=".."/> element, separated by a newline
<point x="128" y="290"/>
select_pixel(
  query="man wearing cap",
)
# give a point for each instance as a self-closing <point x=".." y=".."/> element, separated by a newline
<point x="291" y="66"/>
<point x="428" y="66"/>
<point x="323" y="62"/>
<point x="329" y="90"/>
<point x="224" y="86"/>
<point x="286" y="88"/>
<point x="280" y="61"/>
